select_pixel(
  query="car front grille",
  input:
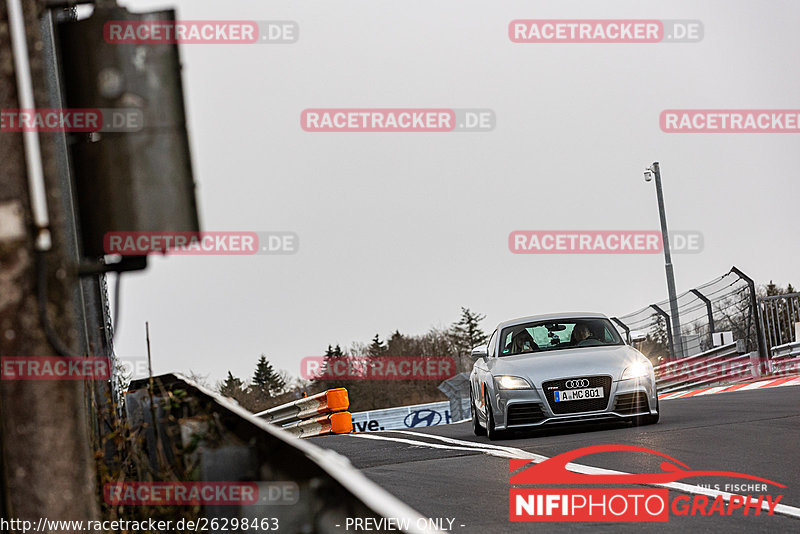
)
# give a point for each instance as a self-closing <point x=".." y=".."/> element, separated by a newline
<point x="588" y="405"/>
<point x="524" y="413"/>
<point x="631" y="403"/>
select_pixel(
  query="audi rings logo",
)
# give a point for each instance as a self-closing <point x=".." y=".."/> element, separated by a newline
<point x="574" y="384"/>
<point x="423" y="418"/>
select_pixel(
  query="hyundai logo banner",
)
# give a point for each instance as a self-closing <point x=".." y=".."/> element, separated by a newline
<point x="404" y="417"/>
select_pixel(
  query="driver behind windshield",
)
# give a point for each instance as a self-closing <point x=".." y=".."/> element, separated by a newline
<point x="581" y="332"/>
<point x="523" y="342"/>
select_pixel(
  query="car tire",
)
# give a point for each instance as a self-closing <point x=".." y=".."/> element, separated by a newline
<point x="648" y="419"/>
<point x="491" y="433"/>
<point x="477" y="429"/>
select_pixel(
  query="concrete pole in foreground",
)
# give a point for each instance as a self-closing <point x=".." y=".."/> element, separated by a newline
<point x="47" y="468"/>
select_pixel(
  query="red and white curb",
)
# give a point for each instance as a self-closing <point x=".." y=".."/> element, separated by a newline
<point x="774" y="383"/>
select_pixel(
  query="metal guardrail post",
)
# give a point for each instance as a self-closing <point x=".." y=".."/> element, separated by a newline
<point x="665" y="315"/>
<point x="326" y="404"/>
<point x="762" y="345"/>
<point x="763" y="328"/>
<point x="333" y="423"/>
<point x="624" y="327"/>
<point x="710" y="312"/>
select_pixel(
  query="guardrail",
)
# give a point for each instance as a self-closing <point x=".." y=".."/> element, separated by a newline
<point x="785" y="359"/>
<point x="318" y="415"/>
<point x="181" y="423"/>
<point x="720" y="364"/>
<point x="335" y="423"/>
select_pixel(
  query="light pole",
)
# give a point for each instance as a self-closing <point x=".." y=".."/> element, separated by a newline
<point x="677" y="343"/>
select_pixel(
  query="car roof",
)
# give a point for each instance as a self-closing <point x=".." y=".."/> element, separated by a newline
<point x="553" y="316"/>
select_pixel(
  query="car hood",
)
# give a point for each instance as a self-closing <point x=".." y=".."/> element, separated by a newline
<point x="565" y="363"/>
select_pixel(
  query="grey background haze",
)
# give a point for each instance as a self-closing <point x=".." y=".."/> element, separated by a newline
<point x="399" y="230"/>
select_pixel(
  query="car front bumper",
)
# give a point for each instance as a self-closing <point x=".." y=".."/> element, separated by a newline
<point x="529" y="408"/>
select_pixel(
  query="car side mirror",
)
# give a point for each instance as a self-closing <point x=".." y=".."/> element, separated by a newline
<point x="480" y="352"/>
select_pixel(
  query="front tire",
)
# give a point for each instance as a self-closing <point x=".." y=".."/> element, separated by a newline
<point x="491" y="432"/>
<point x="477" y="429"/>
<point x="648" y="419"/>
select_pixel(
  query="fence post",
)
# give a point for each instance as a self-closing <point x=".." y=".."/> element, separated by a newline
<point x="710" y="313"/>
<point x="762" y="345"/>
<point x="665" y="315"/>
<point x="624" y="327"/>
<point x="773" y="322"/>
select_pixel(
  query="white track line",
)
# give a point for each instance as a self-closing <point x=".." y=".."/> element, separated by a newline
<point x="794" y="382"/>
<point x="754" y="385"/>
<point x="712" y="390"/>
<point x="511" y="452"/>
<point x="491" y="452"/>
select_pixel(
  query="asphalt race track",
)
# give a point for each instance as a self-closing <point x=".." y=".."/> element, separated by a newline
<point x="756" y="432"/>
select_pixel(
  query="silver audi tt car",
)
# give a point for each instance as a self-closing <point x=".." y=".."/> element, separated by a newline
<point x="560" y="368"/>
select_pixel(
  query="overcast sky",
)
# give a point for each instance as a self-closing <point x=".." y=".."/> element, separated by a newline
<point x="399" y="230"/>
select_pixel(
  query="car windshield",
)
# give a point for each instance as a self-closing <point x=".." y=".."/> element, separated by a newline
<point x="554" y="335"/>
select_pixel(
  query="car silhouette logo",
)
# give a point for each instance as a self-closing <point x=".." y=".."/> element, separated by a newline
<point x="574" y="384"/>
<point x="554" y="470"/>
<point x="423" y="418"/>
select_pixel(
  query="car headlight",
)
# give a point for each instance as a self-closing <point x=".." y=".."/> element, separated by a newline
<point x="636" y="370"/>
<point x="512" y="382"/>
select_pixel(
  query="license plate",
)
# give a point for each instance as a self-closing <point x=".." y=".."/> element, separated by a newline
<point x="579" y="394"/>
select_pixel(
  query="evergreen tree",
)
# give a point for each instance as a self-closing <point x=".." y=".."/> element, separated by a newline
<point x="325" y="380"/>
<point x="466" y="333"/>
<point x="231" y="387"/>
<point x="773" y="290"/>
<point x="266" y="379"/>
<point x="396" y="345"/>
<point x="377" y="347"/>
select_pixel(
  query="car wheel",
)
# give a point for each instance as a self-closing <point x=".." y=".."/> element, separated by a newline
<point x="477" y="429"/>
<point x="490" y="430"/>
<point x="648" y="419"/>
